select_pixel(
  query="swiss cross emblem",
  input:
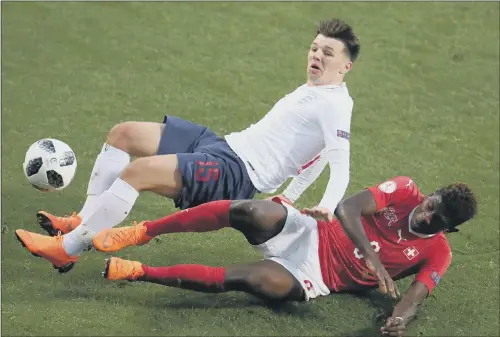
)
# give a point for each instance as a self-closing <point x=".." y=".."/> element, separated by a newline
<point x="410" y="252"/>
<point x="390" y="214"/>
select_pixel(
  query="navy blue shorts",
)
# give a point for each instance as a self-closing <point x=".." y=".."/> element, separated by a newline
<point x="209" y="167"/>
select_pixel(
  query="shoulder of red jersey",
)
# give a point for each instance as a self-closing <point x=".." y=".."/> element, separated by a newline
<point x="441" y="244"/>
<point x="436" y="262"/>
<point x="399" y="189"/>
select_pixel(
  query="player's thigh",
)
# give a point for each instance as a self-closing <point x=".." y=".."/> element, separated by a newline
<point x="190" y="179"/>
<point x="139" y="139"/>
<point x="304" y="263"/>
<point x="182" y="136"/>
<point x="306" y="269"/>
<point x="174" y="135"/>
<point x="265" y="279"/>
<point x="159" y="174"/>
<point x="295" y="232"/>
<point x="207" y="177"/>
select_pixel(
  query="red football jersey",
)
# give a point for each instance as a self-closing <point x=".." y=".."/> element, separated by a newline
<point x="401" y="251"/>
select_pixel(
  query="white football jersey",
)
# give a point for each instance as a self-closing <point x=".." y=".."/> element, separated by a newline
<point x="301" y="133"/>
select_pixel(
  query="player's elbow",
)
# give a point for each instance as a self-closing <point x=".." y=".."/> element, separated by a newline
<point x="346" y="209"/>
<point x="341" y="210"/>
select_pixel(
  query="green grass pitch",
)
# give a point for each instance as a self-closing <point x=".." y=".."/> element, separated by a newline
<point x="426" y="92"/>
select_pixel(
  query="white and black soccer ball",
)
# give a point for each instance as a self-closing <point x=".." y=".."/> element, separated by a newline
<point x="49" y="165"/>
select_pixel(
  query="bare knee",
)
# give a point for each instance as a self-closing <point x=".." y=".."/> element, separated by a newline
<point x="247" y="210"/>
<point x="263" y="282"/>
<point x="262" y="215"/>
<point x="121" y="136"/>
<point x="139" y="139"/>
<point x="271" y="285"/>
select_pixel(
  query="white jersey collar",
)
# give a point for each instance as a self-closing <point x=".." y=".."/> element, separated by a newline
<point x="327" y="86"/>
<point x="415" y="233"/>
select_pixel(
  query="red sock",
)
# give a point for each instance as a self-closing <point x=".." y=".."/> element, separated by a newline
<point x="187" y="276"/>
<point x="207" y="217"/>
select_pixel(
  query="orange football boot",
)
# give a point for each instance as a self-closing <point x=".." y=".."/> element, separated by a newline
<point x="48" y="247"/>
<point x="114" y="239"/>
<point x="118" y="269"/>
<point x="55" y="225"/>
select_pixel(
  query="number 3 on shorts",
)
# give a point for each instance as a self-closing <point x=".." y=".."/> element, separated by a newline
<point x="206" y="171"/>
<point x="375" y="246"/>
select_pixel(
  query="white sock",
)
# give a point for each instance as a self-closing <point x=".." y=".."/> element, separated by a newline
<point x="112" y="207"/>
<point x="108" y="166"/>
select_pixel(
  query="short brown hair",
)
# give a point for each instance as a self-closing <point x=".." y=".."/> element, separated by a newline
<point x="338" y="29"/>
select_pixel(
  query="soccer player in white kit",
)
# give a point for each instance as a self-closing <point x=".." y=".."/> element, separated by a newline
<point x="304" y="130"/>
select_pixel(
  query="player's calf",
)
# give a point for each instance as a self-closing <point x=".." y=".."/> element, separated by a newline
<point x="206" y="217"/>
<point x="266" y="279"/>
<point x="189" y="276"/>
<point x="258" y="220"/>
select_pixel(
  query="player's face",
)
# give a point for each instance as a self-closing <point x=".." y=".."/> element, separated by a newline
<point x="428" y="218"/>
<point x="327" y="61"/>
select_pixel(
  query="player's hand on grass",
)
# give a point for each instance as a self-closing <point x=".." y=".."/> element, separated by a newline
<point x="320" y="213"/>
<point x="385" y="282"/>
<point x="394" y="326"/>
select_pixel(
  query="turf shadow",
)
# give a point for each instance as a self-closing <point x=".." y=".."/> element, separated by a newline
<point x="158" y="300"/>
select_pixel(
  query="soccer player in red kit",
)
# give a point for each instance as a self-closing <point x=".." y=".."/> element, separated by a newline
<point x="383" y="233"/>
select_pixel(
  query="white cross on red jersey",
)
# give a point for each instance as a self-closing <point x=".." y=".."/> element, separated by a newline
<point x="401" y="251"/>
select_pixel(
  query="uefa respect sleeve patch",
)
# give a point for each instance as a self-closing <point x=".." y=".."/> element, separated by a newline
<point x="435" y="277"/>
<point x="343" y="134"/>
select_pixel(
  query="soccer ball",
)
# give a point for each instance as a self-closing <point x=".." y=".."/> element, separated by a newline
<point x="49" y="165"/>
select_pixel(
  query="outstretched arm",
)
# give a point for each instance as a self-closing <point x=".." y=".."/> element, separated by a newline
<point x="349" y="213"/>
<point x="436" y="264"/>
<point x="405" y="310"/>
<point x="337" y="185"/>
<point x="338" y="160"/>
<point x="308" y="174"/>
<point x="334" y="122"/>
